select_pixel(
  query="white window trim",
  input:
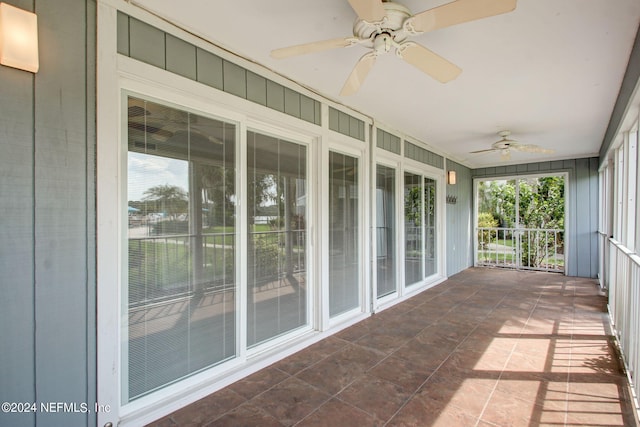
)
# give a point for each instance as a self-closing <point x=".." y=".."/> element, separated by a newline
<point x="426" y="171"/>
<point x="338" y="143"/>
<point x="394" y="164"/>
<point x="307" y="141"/>
<point x="632" y="159"/>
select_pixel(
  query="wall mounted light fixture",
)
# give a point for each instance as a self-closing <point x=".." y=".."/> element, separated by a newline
<point x="451" y="177"/>
<point x="18" y="38"/>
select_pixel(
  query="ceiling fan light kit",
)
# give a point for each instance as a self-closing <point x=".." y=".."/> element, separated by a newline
<point x="383" y="25"/>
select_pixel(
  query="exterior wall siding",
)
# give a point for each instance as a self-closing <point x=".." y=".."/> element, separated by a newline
<point x="459" y="219"/>
<point x="582" y="207"/>
<point x="47" y="209"/>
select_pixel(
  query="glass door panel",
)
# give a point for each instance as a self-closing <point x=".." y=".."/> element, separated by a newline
<point x="180" y="295"/>
<point x="277" y="243"/>
<point x="385" y="230"/>
<point x="413" y="232"/>
<point x="344" y="256"/>
<point x="430" y="224"/>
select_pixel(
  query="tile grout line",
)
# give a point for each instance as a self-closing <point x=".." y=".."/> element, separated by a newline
<point x="446" y="358"/>
<point x="336" y="395"/>
<point x="348" y="342"/>
<point x="568" y="385"/>
<point x="495" y="386"/>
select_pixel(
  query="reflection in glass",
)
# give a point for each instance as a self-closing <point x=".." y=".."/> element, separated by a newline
<point x="180" y="294"/>
<point x="343" y="234"/>
<point x="413" y="222"/>
<point x="385" y="230"/>
<point x="277" y="246"/>
<point x="430" y="226"/>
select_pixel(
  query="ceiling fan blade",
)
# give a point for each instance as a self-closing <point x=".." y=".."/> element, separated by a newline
<point x="505" y="155"/>
<point x="358" y="74"/>
<point x="483" y="151"/>
<point x="312" y="47"/>
<point x="458" y="12"/>
<point x="368" y="10"/>
<point x="532" y="148"/>
<point x="428" y="62"/>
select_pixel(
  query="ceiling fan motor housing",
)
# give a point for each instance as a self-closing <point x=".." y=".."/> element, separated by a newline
<point x="505" y="142"/>
<point x="392" y="26"/>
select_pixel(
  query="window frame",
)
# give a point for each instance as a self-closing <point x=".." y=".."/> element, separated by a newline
<point x="268" y="129"/>
<point x="187" y="96"/>
<point x="353" y="148"/>
<point x="394" y="164"/>
<point x="158" y="394"/>
<point x="426" y="171"/>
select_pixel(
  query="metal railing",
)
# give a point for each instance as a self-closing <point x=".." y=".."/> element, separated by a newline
<point x="604" y="258"/>
<point x="540" y="249"/>
<point x="165" y="266"/>
<point x="276" y="254"/>
<point x="177" y="265"/>
<point x="624" y="306"/>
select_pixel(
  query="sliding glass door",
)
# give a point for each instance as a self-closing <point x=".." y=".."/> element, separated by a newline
<point x="344" y="234"/>
<point x="385" y="230"/>
<point x="277" y="237"/>
<point x="179" y="295"/>
<point x="430" y="227"/>
<point x="420" y="228"/>
<point x="413" y="231"/>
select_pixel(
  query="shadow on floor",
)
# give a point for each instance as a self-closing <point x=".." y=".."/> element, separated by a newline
<point x="488" y="347"/>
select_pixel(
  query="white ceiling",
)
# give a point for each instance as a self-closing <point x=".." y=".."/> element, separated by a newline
<point x="550" y="71"/>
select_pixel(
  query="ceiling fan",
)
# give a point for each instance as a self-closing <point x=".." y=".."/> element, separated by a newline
<point x="505" y="145"/>
<point x="382" y="25"/>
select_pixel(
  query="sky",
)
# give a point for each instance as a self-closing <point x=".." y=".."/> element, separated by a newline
<point x="146" y="171"/>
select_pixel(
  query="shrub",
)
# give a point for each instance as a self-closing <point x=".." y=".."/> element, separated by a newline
<point x="486" y="220"/>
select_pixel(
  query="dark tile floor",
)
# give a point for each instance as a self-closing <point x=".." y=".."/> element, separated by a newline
<point x="488" y="347"/>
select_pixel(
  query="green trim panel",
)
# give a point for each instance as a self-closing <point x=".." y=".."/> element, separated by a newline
<point x="209" y="69"/>
<point x="141" y="41"/>
<point x="345" y="124"/>
<point x="181" y="57"/>
<point x="146" y="43"/>
<point x="388" y="142"/>
<point x="412" y="151"/>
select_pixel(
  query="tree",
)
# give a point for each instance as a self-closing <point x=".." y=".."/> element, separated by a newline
<point x="218" y="193"/>
<point x="412" y="203"/>
<point x="169" y="199"/>
<point x="542" y="207"/>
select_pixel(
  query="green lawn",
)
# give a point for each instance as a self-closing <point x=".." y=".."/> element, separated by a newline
<point x="506" y="242"/>
<point x="510" y="259"/>
<point x="159" y="265"/>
